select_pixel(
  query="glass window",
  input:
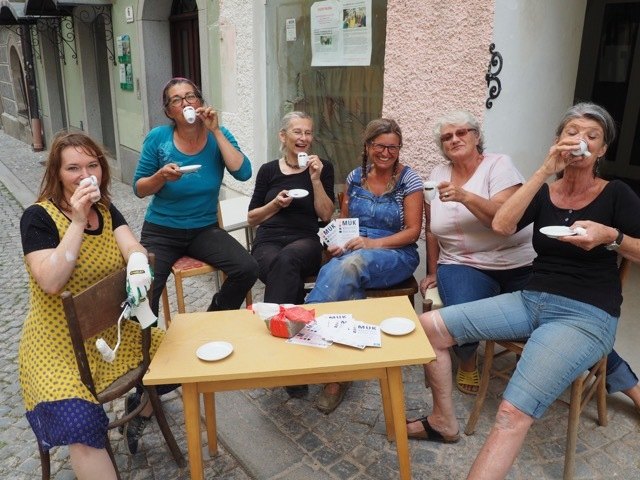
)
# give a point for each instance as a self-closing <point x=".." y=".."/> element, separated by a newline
<point x="341" y="99"/>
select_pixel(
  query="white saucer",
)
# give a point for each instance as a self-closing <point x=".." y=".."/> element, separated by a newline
<point x="214" y="351"/>
<point x="557" y="231"/>
<point x="298" y="193"/>
<point x="397" y="326"/>
<point x="189" y="168"/>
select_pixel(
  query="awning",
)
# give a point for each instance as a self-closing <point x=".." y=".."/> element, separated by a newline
<point x="12" y="13"/>
<point x="57" y="8"/>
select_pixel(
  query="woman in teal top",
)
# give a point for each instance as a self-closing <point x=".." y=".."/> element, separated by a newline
<point x="182" y="166"/>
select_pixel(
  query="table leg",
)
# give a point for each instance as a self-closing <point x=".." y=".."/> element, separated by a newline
<point x="386" y="408"/>
<point x="394" y="374"/>
<point x="210" y="419"/>
<point x="191" y="401"/>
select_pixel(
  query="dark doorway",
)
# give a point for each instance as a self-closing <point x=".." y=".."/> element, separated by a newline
<point x="609" y="73"/>
<point x="185" y="40"/>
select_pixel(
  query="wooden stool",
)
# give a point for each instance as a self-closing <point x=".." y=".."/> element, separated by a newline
<point x="183" y="268"/>
<point x="582" y="390"/>
<point x="186" y="267"/>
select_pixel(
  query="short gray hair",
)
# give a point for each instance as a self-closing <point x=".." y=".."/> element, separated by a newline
<point x="288" y="118"/>
<point x="591" y="111"/>
<point x="458" y="117"/>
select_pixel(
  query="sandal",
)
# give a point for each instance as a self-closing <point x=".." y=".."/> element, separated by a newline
<point x="430" y="434"/>
<point x="468" y="382"/>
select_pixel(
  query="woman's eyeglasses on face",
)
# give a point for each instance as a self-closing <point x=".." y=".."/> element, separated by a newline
<point x="379" y="148"/>
<point x="460" y="133"/>
<point x="190" y="98"/>
<point x="301" y="133"/>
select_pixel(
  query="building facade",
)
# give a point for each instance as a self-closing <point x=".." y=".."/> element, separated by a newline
<point x="100" y="66"/>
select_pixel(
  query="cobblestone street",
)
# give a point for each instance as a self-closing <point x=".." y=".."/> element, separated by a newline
<point x="264" y="434"/>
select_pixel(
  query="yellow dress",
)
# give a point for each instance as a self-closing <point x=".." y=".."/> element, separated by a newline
<point x="48" y="369"/>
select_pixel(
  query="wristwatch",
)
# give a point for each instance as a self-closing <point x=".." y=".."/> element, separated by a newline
<point x="616" y="243"/>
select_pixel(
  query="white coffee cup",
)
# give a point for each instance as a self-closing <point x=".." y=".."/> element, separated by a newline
<point x="303" y="159"/>
<point x="189" y="114"/>
<point x="92" y="180"/>
<point x="430" y="190"/>
<point x="583" y="150"/>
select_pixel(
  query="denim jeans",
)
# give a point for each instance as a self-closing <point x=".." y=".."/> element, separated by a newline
<point x="284" y="263"/>
<point x="208" y="244"/>
<point x="620" y="377"/>
<point x="348" y="276"/>
<point x="461" y="284"/>
<point x="565" y="338"/>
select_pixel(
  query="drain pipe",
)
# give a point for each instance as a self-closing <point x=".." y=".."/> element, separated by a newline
<point x="30" y="80"/>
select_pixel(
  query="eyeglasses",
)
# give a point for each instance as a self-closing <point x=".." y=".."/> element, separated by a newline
<point x="379" y="148"/>
<point x="190" y="98"/>
<point x="460" y="133"/>
<point x="301" y="133"/>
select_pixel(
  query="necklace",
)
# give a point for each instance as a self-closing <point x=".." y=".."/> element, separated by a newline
<point x="294" y="167"/>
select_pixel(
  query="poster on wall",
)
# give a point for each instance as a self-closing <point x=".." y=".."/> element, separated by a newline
<point x="123" y="49"/>
<point x="341" y="33"/>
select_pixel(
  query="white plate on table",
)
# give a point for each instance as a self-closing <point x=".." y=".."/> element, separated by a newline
<point x="214" y="351"/>
<point x="298" y="193"/>
<point x="557" y="231"/>
<point x="397" y="326"/>
<point x="189" y="168"/>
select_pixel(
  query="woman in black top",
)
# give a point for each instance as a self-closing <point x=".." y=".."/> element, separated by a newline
<point x="287" y="247"/>
<point x="569" y="309"/>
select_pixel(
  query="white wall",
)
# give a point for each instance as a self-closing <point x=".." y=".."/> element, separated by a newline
<point x="540" y="45"/>
<point x="238" y="44"/>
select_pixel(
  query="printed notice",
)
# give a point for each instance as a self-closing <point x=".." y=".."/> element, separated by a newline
<point x="339" y="231"/>
<point x="341" y="33"/>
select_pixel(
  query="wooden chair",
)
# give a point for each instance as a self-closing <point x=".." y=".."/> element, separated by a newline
<point x="89" y="313"/>
<point x="186" y="266"/>
<point x="582" y="389"/>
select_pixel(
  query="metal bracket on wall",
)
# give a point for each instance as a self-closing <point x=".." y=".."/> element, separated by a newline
<point x="493" y="82"/>
<point x="52" y="30"/>
<point x="61" y="32"/>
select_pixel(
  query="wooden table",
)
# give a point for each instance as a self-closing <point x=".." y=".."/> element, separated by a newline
<point x="261" y="360"/>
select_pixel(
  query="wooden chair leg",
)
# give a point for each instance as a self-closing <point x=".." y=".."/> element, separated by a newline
<point x="161" y="418"/>
<point x="179" y="293"/>
<point x="112" y="457"/>
<point x="489" y="351"/>
<point x="601" y="399"/>
<point x="166" y="310"/>
<point x="45" y="462"/>
<point x="572" y="428"/>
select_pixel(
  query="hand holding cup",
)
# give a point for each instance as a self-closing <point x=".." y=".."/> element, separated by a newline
<point x="303" y="159"/>
<point x="93" y="181"/>
<point x="430" y="191"/>
<point x="189" y="114"/>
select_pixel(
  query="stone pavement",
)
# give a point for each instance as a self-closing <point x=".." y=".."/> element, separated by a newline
<point x="263" y="434"/>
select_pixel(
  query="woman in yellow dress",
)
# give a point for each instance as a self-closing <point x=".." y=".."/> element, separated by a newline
<point x="71" y="239"/>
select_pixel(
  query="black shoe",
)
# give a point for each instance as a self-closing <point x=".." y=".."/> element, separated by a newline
<point x="131" y="402"/>
<point x="297" y="391"/>
<point x="134" y="430"/>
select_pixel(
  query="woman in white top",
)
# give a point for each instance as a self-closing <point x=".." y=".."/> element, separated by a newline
<point x="466" y="260"/>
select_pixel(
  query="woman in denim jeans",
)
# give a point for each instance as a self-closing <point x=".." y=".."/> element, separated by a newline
<point x="569" y="310"/>
<point x="466" y="260"/>
<point x="386" y="197"/>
